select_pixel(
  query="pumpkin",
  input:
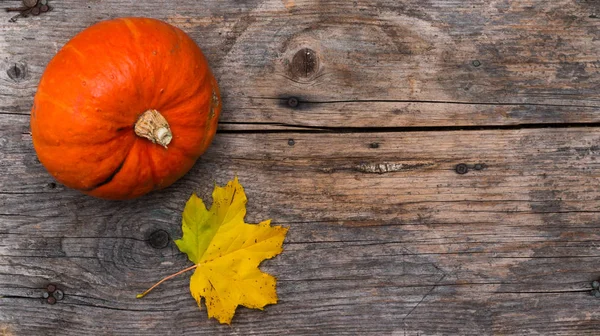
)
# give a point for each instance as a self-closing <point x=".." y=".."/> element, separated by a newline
<point x="125" y="107"/>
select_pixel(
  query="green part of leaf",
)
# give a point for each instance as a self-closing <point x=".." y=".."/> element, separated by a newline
<point x="200" y="225"/>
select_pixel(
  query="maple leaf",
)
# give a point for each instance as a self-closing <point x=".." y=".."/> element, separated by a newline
<point x="226" y="253"/>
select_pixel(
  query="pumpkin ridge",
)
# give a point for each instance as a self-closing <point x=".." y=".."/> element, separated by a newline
<point x="114" y="173"/>
<point x="165" y="107"/>
<point x="205" y="75"/>
<point x="135" y="33"/>
<point x="84" y="144"/>
<point x="45" y="97"/>
<point x="110" y="177"/>
<point x="152" y="169"/>
<point x="189" y="104"/>
<point x="70" y="47"/>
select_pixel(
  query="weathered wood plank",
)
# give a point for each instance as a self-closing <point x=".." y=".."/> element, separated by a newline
<point x="374" y="63"/>
<point x="386" y="238"/>
<point x="418" y="249"/>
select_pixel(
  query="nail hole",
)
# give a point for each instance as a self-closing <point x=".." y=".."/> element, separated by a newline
<point x="291" y="142"/>
<point x="476" y="63"/>
<point x="58" y="295"/>
<point x="30" y="3"/>
<point x="374" y="145"/>
<point x="461" y="168"/>
<point x="293" y="102"/>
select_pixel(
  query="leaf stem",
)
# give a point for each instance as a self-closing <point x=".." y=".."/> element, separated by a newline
<point x="139" y="296"/>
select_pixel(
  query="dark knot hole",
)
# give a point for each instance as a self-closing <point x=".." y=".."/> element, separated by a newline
<point x="159" y="239"/>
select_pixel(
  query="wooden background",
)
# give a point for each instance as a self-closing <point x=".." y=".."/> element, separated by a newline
<point x="385" y="237"/>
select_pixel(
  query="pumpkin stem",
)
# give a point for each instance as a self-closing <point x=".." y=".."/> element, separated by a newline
<point x="154" y="127"/>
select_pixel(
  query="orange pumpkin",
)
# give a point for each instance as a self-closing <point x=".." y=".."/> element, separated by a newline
<point x="125" y="107"/>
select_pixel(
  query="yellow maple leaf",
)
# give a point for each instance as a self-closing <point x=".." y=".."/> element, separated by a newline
<point x="226" y="253"/>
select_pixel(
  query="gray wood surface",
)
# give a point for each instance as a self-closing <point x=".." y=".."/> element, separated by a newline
<point x="385" y="237"/>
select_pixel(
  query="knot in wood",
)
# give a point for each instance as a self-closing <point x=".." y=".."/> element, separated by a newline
<point x="17" y="72"/>
<point x="159" y="239"/>
<point x="305" y="64"/>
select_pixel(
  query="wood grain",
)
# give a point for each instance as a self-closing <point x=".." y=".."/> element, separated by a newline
<point x="378" y="63"/>
<point x="386" y="238"/>
<point x="503" y="250"/>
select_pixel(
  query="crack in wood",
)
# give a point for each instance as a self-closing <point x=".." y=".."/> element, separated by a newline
<point x="117" y="309"/>
<point x="424" y="101"/>
<point x="424" y="297"/>
<point x="408" y="129"/>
